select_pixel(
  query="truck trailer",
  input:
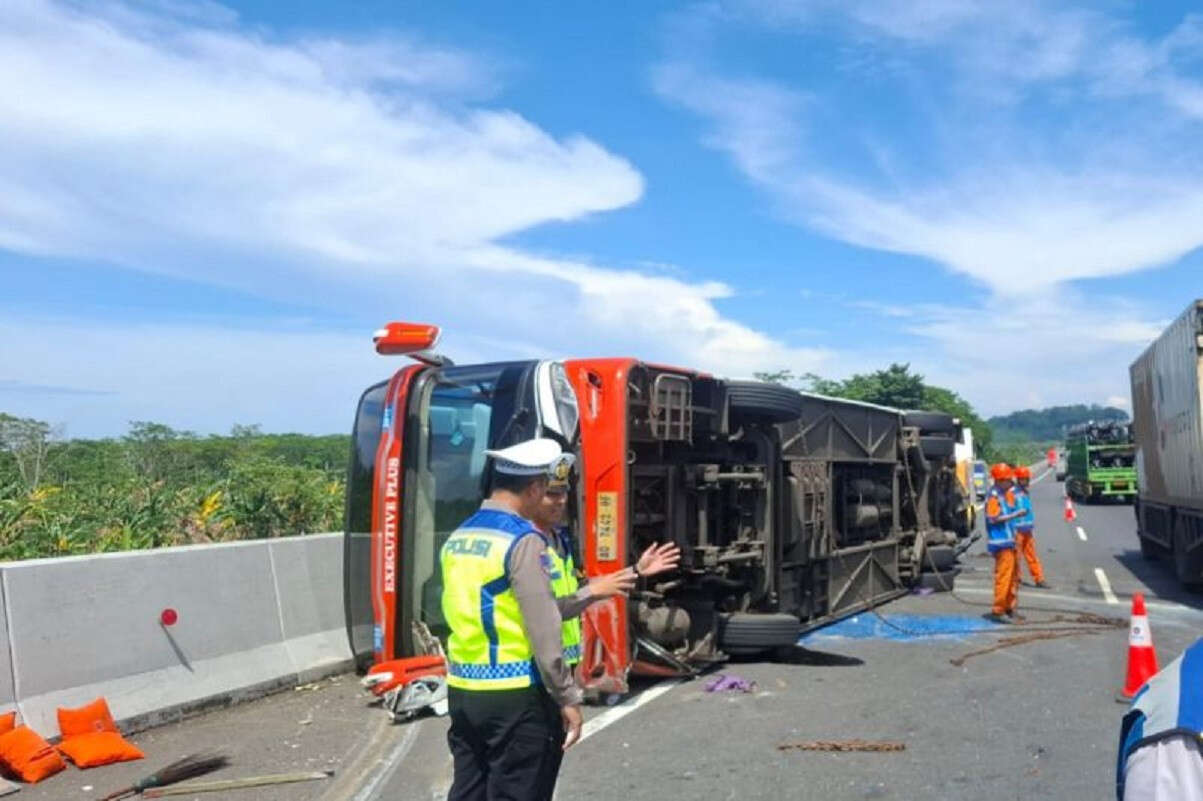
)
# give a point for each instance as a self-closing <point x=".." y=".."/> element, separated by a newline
<point x="791" y="510"/>
<point x="1167" y="406"/>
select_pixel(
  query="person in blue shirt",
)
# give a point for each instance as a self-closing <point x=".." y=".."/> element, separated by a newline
<point x="1025" y="528"/>
<point x="1160" y="754"/>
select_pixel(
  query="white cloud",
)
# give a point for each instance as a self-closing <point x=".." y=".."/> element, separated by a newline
<point x="1103" y="178"/>
<point x="350" y="175"/>
<point x="1056" y="348"/>
<point x="129" y="135"/>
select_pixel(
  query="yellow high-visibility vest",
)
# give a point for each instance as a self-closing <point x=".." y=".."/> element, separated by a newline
<point x="563" y="584"/>
<point x="488" y="648"/>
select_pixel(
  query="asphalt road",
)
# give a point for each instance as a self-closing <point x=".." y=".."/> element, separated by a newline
<point x="1033" y="721"/>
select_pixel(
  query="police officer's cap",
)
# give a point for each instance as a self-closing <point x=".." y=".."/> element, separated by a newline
<point x="535" y="457"/>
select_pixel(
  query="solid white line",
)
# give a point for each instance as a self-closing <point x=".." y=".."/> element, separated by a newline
<point x="1105" y="585"/>
<point x="1081" y="534"/>
<point x="1042" y="476"/>
<point x="617" y="713"/>
<point x="388" y="766"/>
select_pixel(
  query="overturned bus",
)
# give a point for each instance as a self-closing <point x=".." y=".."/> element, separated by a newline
<point x="791" y="510"/>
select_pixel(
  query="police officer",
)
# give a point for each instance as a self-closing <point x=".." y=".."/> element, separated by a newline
<point x="512" y="697"/>
<point x="1161" y="737"/>
<point x="573" y="597"/>
<point x="1002" y="510"/>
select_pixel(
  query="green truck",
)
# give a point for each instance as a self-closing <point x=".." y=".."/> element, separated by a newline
<point x="1100" y="462"/>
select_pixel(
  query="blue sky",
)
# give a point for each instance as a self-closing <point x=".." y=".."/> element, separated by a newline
<point x="206" y="208"/>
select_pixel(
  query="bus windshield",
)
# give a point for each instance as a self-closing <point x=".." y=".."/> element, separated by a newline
<point x="465" y="411"/>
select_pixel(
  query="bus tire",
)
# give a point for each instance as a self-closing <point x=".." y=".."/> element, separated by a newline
<point x="939" y="580"/>
<point x="937" y="448"/>
<point x="763" y="402"/>
<point x="930" y="422"/>
<point x="938" y="558"/>
<point x="746" y="632"/>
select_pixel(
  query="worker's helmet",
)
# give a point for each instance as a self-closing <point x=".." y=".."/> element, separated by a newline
<point x="1002" y="472"/>
<point x="1023" y="472"/>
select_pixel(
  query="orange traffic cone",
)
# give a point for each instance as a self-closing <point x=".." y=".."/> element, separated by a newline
<point x="1142" y="659"/>
<point x="1070" y="513"/>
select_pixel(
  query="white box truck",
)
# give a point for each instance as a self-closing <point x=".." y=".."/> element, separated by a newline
<point x="1167" y="408"/>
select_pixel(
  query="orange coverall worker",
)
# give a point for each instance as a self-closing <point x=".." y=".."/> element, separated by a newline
<point x="1025" y="527"/>
<point x="1001" y="510"/>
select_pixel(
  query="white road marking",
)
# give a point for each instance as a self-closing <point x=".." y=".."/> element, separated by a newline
<point x="388" y="765"/>
<point x="1042" y="476"/>
<point x="1105" y="585"/>
<point x="1081" y="534"/>
<point x="617" y="713"/>
<point x="1168" y="607"/>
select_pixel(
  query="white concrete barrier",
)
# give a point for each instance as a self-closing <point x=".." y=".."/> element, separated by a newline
<point x="252" y="617"/>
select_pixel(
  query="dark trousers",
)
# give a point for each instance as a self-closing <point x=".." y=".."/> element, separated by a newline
<point x="505" y="744"/>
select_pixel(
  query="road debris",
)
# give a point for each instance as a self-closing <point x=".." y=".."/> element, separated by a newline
<point x="239" y="784"/>
<point x="732" y="683"/>
<point x="1023" y="639"/>
<point x="843" y="745"/>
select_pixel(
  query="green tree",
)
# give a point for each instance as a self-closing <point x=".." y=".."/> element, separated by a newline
<point x="27" y="443"/>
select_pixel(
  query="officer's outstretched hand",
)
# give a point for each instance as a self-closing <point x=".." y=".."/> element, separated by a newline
<point x="572" y="725"/>
<point x="659" y="558"/>
<point x="620" y="582"/>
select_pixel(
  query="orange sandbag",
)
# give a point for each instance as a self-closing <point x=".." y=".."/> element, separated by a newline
<point x="99" y="748"/>
<point x="8" y="722"/>
<point x="91" y="738"/>
<point x="88" y="719"/>
<point x="27" y="756"/>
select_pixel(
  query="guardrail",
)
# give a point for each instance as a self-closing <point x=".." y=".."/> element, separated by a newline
<point x="249" y="618"/>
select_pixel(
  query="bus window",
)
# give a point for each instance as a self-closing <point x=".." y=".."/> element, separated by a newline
<point x="467" y="410"/>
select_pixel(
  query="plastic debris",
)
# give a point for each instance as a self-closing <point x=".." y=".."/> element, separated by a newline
<point x="724" y="683"/>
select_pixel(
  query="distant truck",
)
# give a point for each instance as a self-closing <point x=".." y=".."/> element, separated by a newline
<point x="1167" y="406"/>
<point x="1100" y="462"/>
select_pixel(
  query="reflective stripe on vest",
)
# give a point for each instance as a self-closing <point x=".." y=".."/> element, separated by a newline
<point x="487" y="648"/>
<point x="1170" y="703"/>
<point x="563" y="584"/>
<point x="999" y="536"/>
<point x="1024" y="501"/>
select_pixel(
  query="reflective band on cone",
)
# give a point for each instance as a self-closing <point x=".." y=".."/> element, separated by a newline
<point x="1139" y="635"/>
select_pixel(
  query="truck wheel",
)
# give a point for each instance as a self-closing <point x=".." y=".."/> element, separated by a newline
<point x="760" y="401"/>
<point x="930" y="422"/>
<point x="940" y="580"/>
<point x="1149" y="549"/>
<point x="937" y="558"/>
<point x="1190" y="572"/>
<point x="745" y="632"/>
<point x="939" y="448"/>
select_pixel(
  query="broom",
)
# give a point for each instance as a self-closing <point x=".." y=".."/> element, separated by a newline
<point x="190" y="766"/>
